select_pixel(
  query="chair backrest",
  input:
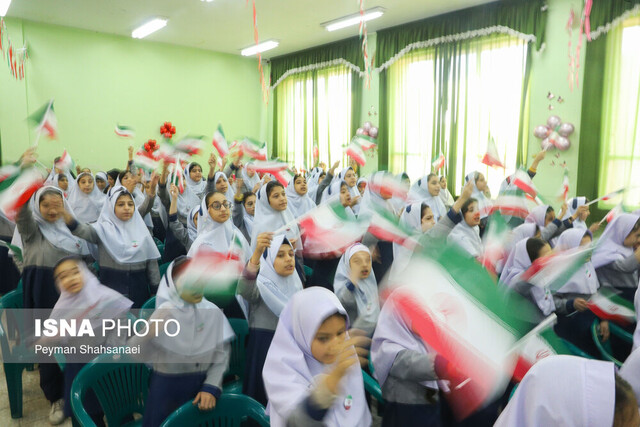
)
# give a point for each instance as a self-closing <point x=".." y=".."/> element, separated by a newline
<point x="238" y="346"/>
<point x="121" y="388"/>
<point x="372" y="387"/>
<point x="603" y="347"/>
<point x="231" y="411"/>
<point x="12" y="324"/>
<point x="163" y="268"/>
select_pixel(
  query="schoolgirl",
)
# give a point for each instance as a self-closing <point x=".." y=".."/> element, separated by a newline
<point x="266" y="292"/>
<point x="273" y="212"/>
<point x="311" y="374"/>
<point x="615" y="259"/>
<point x="466" y="235"/>
<point x="191" y="365"/>
<point x="479" y="188"/>
<point x="357" y="289"/>
<point x="244" y="208"/>
<point x="85" y="199"/>
<point x="445" y="194"/>
<point x="179" y="238"/>
<point x="127" y="254"/>
<point x="297" y="198"/>
<point x="550" y="227"/>
<point x="427" y="189"/>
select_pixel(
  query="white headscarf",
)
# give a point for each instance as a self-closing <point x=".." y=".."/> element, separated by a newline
<point x="126" y="241"/>
<point x="249" y="182"/>
<point x="564" y="391"/>
<point x="572" y="208"/>
<point x="392" y="336"/>
<point x="411" y="218"/>
<point x="193" y="193"/>
<point x="584" y="281"/>
<point x="372" y="198"/>
<point x="353" y="191"/>
<point x="630" y="371"/>
<point x="57" y="233"/>
<point x="420" y="193"/>
<point x="446" y="197"/>
<point x="298" y="204"/>
<point x="483" y="202"/>
<point x="105" y="302"/>
<point x="467" y="238"/>
<point x="538" y="215"/>
<point x="268" y="219"/>
<point x="276" y="290"/>
<point x="366" y="290"/>
<point x="191" y="224"/>
<point x="230" y="194"/>
<point x="87" y="207"/>
<point x="216" y="235"/>
<point x="203" y="326"/>
<point x="312" y="184"/>
<point x="290" y="369"/>
<point x="610" y="247"/>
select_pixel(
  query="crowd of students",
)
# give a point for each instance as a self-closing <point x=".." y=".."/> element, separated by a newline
<point x="309" y="333"/>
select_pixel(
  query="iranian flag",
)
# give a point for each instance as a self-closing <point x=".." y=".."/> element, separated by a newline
<point x="190" y="145"/>
<point x="125" y="131"/>
<point x="564" y="191"/>
<point x="512" y="202"/>
<point x="439" y="163"/>
<point x="165" y="152"/>
<point x="354" y="150"/>
<point x="608" y="196"/>
<point x="609" y="306"/>
<point x="254" y="149"/>
<point x="45" y="121"/>
<point x="385" y="183"/>
<point x="7" y="171"/>
<point x="220" y="142"/>
<point x="494" y="241"/>
<point x="65" y="163"/>
<point x="176" y="176"/>
<point x="617" y="210"/>
<point x="327" y="230"/>
<point x="491" y="157"/>
<point x="17" y="252"/>
<point x="539" y="343"/>
<point x="365" y="142"/>
<point x="386" y="226"/>
<point x="142" y="160"/>
<point x="522" y="180"/>
<point x="554" y="270"/>
<point x="454" y="306"/>
<point x="278" y="169"/>
<point x="17" y="189"/>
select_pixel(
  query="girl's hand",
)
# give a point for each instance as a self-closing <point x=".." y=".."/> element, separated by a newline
<point x="131" y="152"/>
<point x="563" y="210"/>
<point x="333" y="167"/>
<point x="239" y="185"/>
<point x="151" y="190"/>
<point x="205" y="401"/>
<point x="174" y="192"/>
<point x="354" y="201"/>
<point x="256" y="187"/>
<point x="580" y="304"/>
<point x="66" y="216"/>
<point x="594" y="227"/>
<point x="604" y="330"/>
<point x="29" y="158"/>
<point x="263" y="241"/>
<point x="212" y="161"/>
<point x="581" y="210"/>
<point x="348" y="353"/>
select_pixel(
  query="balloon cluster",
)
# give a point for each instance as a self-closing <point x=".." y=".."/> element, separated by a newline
<point x="150" y="146"/>
<point x="167" y="130"/>
<point x="554" y="134"/>
<point x="368" y="129"/>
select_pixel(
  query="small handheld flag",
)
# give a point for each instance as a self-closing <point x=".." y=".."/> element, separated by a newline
<point x="491" y="157"/>
<point x="125" y="131"/>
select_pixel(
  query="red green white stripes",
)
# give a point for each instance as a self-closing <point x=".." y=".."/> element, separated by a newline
<point x="491" y="157"/>
<point x="125" y="131"/>
<point x="609" y="306"/>
<point x="553" y="271"/>
<point x="254" y="149"/>
<point x="220" y="142"/>
<point x="45" y="121"/>
<point x="438" y="163"/>
<point x="17" y="189"/>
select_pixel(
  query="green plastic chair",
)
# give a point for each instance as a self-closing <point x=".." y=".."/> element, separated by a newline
<point x="372" y="387"/>
<point x="119" y="383"/>
<point x="10" y="329"/>
<point x="603" y="347"/>
<point x="147" y="308"/>
<point x="231" y="411"/>
<point x="308" y="271"/>
<point x="238" y="356"/>
<point x="163" y="268"/>
<point x="159" y="245"/>
<point x="620" y="333"/>
<point x="575" y="350"/>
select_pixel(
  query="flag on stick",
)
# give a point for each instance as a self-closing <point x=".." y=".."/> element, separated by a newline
<point x="125" y="131"/>
<point x="554" y="270"/>
<point x="609" y="306"/>
<point x="439" y="163"/>
<point x="607" y="196"/>
<point x="494" y="241"/>
<point x="254" y="149"/>
<point x="65" y="163"/>
<point x="491" y="157"/>
<point x="45" y="121"/>
<point x="564" y="191"/>
<point x="522" y="180"/>
<point x="17" y="189"/>
<point x="220" y="142"/>
<point x="386" y="226"/>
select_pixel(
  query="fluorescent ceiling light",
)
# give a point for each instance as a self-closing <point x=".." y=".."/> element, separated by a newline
<point x="354" y="19"/>
<point x="208" y="1"/>
<point x="264" y="46"/>
<point x="4" y="6"/>
<point x="150" y="27"/>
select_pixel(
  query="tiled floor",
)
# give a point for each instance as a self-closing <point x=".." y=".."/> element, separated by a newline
<point x="35" y="408"/>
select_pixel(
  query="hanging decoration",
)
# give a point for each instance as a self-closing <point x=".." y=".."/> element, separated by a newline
<point x="584" y="29"/>
<point x="368" y="62"/>
<point x="554" y="134"/>
<point x="264" y="85"/>
<point x="15" y="57"/>
<point x="167" y="130"/>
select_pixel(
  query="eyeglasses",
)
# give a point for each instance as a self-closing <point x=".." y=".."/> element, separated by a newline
<point x="217" y="205"/>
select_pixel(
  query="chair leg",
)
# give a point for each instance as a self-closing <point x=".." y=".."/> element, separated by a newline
<point x="13" y="374"/>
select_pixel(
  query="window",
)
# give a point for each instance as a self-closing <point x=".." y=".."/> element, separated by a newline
<point x="465" y="94"/>
<point x="620" y="132"/>
<point x="314" y="107"/>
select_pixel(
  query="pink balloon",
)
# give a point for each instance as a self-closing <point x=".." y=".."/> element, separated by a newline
<point x="360" y="131"/>
<point x="366" y="126"/>
<point x="373" y="132"/>
<point x="364" y="132"/>
<point x="546" y="144"/>
<point x="554" y="121"/>
<point x="563" y="143"/>
<point x="566" y="129"/>
<point x="541" y="132"/>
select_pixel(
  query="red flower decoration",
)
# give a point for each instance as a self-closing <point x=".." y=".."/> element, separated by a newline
<point x="167" y="130"/>
<point x="150" y="146"/>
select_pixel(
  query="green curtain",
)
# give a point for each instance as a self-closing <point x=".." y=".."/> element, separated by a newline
<point x="604" y="12"/>
<point x="525" y="17"/>
<point x="319" y="106"/>
<point x="347" y="52"/>
<point x="450" y="99"/>
<point x="610" y="131"/>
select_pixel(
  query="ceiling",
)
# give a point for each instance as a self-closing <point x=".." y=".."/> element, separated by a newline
<point x="226" y="25"/>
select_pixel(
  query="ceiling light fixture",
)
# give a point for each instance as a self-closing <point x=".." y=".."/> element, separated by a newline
<point x="354" y="19"/>
<point x="4" y="6"/>
<point x="150" y="27"/>
<point x="261" y="47"/>
<point x="208" y="1"/>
